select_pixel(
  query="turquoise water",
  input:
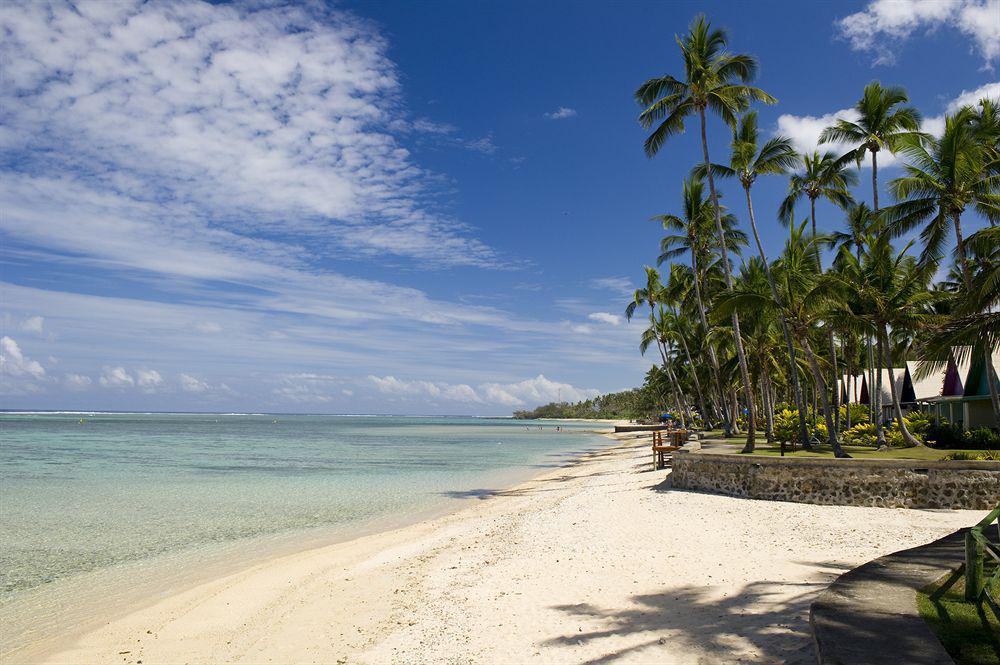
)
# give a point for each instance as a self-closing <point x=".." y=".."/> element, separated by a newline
<point x="106" y="501"/>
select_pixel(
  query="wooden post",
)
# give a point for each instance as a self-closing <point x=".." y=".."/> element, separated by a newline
<point x="973" y="566"/>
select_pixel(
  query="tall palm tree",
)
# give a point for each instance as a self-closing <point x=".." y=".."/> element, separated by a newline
<point x="881" y="122"/>
<point x="714" y="79"/>
<point x="690" y="232"/>
<point x="944" y="177"/>
<point x="679" y="284"/>
<point x="888" y="291"/>
<point x="807" y="297"/>
<point x="823" y="177"/>
<point x="658" y="333"/>
<point x="748" y="160"/>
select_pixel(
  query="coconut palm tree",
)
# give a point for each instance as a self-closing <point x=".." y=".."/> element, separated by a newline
<point x="944" y="177"/>
<point x="749" y="160"/>
<point x="690" y="232"/>
<point x="881" y="122"/>
<point x="678" y="286"/>
<point x="714" y="79"/>
<point x="807" y="298"/>
<point x="887" y="290"/>
<point x="823" y="177"/>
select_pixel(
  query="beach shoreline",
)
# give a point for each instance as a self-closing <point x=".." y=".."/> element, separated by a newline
<point x="595" y="559"/>
<point x="196" y="568"/>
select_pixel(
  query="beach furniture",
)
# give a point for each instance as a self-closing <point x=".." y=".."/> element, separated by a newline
<point x="665" y="443"/>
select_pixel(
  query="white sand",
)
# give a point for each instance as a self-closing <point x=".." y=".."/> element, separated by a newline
<point x="593" y="563"/>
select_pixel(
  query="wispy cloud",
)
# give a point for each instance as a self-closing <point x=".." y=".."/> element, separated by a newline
<point x="534" y="391"/>
<point x="561" y="113"/>
<point x="248" y="125"/>
<point x="605" y="317"/>
<point x="884" y="24"/>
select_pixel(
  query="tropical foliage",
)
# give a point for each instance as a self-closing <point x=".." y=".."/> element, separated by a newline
<point x="745" y="340"/>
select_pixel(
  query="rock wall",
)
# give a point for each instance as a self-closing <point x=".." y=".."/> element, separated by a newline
<point x="849" y="482"/>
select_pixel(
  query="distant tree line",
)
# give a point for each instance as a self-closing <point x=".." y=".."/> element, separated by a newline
<point x="647" y="401"/>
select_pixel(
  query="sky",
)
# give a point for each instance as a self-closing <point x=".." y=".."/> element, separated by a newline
<point x="384" y="207"/>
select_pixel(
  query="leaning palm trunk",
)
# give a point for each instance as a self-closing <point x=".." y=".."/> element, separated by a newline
<point x="740" y="355"/>
<point x="713" y="361"/>
<point x="897" y="408"/>
<point x="685" y="413"/>
<point x="694" y="377"/>
<point x="661" y="347"/>
<point x="767" y="401"/>
<point x="793" y="365"/>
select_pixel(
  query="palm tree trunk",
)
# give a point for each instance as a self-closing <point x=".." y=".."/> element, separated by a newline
<point x="767" y="401"/>
<point x="740" y="355"/>
<point x="821" y="390"/>
<point x="876" y="398"/>
<point x="907" y="436"/>
<point x="833" y="350"/>
<point x="875" y="182"/>
<point x="694" y="374"/>
<point x="713" y="361"/>
<point x="963" y="259"/>
<point x="848" y="381"/>
<point x="793" y="365"/>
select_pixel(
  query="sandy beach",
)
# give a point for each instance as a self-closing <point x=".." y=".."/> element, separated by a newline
<point x="596" y="562"/>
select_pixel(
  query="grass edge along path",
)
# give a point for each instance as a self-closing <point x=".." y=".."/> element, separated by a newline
<point x="969" y="634"/>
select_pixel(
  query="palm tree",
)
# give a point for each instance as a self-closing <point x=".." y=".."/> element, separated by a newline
<point x="888" y="291"/>
<point x="747" y="161"/>
<point x="823" y="177"/>
<point x="861" y="224"/>
<point x="658" y="332"/>
<point x="943" y="178"/>
<point x="649" y="294"/>
<point x="714" y="79"/>
<point x="807" y="297"/>
<point x="880" y="124"/>
<point x="690" y="233"/>
<point x="679" y="284"/>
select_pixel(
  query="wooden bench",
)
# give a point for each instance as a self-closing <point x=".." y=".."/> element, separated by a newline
<point x="665" y="444"/>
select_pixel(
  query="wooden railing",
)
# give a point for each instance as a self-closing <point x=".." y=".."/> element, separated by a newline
<point x="979" y="550"/>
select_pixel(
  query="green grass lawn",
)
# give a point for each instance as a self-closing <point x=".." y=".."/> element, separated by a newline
<point x="971" y="636"/>
<point x="824" y="450"/>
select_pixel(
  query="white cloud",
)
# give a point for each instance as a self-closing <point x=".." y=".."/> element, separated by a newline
<point x="33" y="324"/>
<point x="884" y="24"/>
<point x="14" y="363"/>
<point x="76" y="381"/>
<point x="605" y="317"/>
<point x="581" y="329"/>
<point x="530" y="391"/>
<point x="561" y="113"/>
<point x="261" y="117"/>
<point x="539" y="390"/>
<point x="148" y="378"/>
<point x="191" y="384"/>
<point x="619" y="285"/>
<point x="116" y="377"/>
<point x="804" y="130"/>
<point x="935" y="124"/>
<point x="484" y="145"/>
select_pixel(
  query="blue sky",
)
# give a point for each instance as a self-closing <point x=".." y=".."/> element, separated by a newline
<point x="382" y="207"/>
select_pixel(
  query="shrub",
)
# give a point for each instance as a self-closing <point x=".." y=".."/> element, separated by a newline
<point x="982" y="438"/>
<point x="786" y="425"/>
<point x="985" y="455"/>
<point x="861" y="435"/>
<point x="859" y="415"/>
<point x="918" y="422"/>
<point x="946" y="435"/>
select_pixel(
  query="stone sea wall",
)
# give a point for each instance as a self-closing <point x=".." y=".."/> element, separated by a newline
<point x="849" y="482"/>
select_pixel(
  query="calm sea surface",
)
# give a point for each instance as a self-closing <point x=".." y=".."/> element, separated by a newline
<point x="122" y="508"/>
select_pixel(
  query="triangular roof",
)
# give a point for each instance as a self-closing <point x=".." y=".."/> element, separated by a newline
<point x="929" y="386"/>
<point x="976" y="379"/>
<point x="898" y="373"/>
<point x="957" y="372"/>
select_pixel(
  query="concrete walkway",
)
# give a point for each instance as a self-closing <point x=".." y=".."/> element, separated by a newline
<point x="869" y="615"/>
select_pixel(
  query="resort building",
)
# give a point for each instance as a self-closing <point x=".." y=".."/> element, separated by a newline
<point x="964" y="395"/>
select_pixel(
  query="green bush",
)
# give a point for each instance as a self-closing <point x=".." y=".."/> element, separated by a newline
<point x="859" y="415"/>
<point x="860" y="435"/>
<point x="946" y="435"/>
<point x="786" y="425"/>
<point x="983" y="438"/>
<point x="919" y="422"/>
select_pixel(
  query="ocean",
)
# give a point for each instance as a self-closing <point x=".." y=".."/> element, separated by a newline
<point x="110" y="510"/>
